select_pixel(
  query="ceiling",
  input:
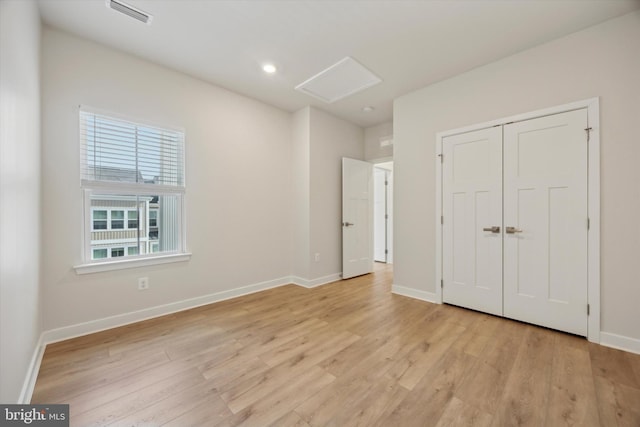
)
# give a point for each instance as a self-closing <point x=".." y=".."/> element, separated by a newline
<point x="409" y="44"/>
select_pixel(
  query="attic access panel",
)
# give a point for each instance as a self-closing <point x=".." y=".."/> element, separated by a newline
<point x="339" y="81"/>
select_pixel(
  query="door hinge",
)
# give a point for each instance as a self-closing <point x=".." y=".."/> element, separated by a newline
<point x="386" y="251"/>
<point x="588" y="130"/>
<point x="441" y="283"/>
<point x="588" y="309"/>
<point x="441" y="219"/>
<point x="386" y="216"/>
<point x="441" y="158"/>
<point x="588" y="224"/>
<point x="386" y="183"/>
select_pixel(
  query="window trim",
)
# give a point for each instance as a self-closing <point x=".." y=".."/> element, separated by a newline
<point x="133" y="262"/>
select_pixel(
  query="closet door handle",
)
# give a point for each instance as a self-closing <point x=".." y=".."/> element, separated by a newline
<point x="494" y="229"/>
<point x="512" y="230"/>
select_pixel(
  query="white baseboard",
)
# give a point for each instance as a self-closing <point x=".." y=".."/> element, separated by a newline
<point x="415" y="293"/>
<point x="105" y="323"/>
<point x="620" y="342"/>
<point x="32" y="373"/>
<point x="306" y="283"/>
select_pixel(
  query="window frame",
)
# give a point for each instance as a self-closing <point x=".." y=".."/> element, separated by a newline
<point x="106" y="188"/>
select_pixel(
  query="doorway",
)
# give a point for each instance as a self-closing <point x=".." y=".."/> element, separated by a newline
<point x="383" y="212"/>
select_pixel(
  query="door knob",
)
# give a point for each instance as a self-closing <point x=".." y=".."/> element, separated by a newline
<point x="494" y="229"/>
<point x="347" y="224"/>
<point x="512" y="230"/>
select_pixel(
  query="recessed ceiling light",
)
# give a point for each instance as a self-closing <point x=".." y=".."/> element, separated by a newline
<point x="368" y="109"/>
<point x="269" y="68"/>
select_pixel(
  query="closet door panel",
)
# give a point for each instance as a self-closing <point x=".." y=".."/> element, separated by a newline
<point x="545" y="219"/>
<point x="472" y="205"/>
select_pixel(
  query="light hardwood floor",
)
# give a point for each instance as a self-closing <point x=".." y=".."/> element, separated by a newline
<point x="347" y="353"/>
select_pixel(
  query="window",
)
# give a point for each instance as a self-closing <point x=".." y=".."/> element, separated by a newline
<point x="153" y="218"/>
<point x="132" y="174"/>
<point x="99" y="220"/>
<point x="100" y="253"/>
<point x="114" y="219"/>
<point x="116" y="252"/>
<point x="117" y="220"/>
<point x="132" y="219"/>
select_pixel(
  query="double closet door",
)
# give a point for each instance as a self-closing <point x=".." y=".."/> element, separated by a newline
<point x="515" y="221"/>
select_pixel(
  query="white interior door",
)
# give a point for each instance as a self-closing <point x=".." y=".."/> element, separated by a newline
<point x="357" y="218"/>
<point x="379" y="215"/>
<point x="545" y="201"/>
<point x="472" y="227"/>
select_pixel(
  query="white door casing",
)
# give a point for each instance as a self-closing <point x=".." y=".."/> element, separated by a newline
<point x="545" y="201"/>
<point x="357" y="218"/>
<point x="472" y="229"/>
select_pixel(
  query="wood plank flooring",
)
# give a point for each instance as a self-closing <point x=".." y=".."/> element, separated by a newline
<point x="344" y="354"/>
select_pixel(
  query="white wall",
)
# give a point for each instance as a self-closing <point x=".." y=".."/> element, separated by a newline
<point x="301" y="176"/>
<point x="599" y="61"/>
<point x="372" y="135"/>
<point x="20" y="323"/>
<point x="320" y="141"/>
<point x="238" y="166"/>
<point x="331" y="139"/>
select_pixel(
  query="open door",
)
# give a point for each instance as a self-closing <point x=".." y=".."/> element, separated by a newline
<point x="357" y="218"/>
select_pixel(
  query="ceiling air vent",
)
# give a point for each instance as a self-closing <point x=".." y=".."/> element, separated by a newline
<point x="342" y="79"/>
<point x="130" y="11"/>
<point x="386" y="141"/>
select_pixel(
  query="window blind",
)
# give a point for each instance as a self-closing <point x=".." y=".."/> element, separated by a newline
<point x="114" y="150"/>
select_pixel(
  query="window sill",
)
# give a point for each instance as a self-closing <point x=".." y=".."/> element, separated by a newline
<point x="97" y="267"/>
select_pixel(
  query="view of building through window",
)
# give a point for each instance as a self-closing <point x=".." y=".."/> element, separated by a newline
<point x="143" y="231"/>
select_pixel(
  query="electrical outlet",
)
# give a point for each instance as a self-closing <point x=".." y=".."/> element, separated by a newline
<point x="317" y="257"/>
<point x="143" y="283"/>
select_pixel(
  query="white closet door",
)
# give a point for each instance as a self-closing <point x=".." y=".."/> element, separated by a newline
<point x="472" y="205"/>
<point x="545" y="201"/>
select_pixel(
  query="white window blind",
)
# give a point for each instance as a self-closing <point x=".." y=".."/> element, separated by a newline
<point x="114" y="150"/>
